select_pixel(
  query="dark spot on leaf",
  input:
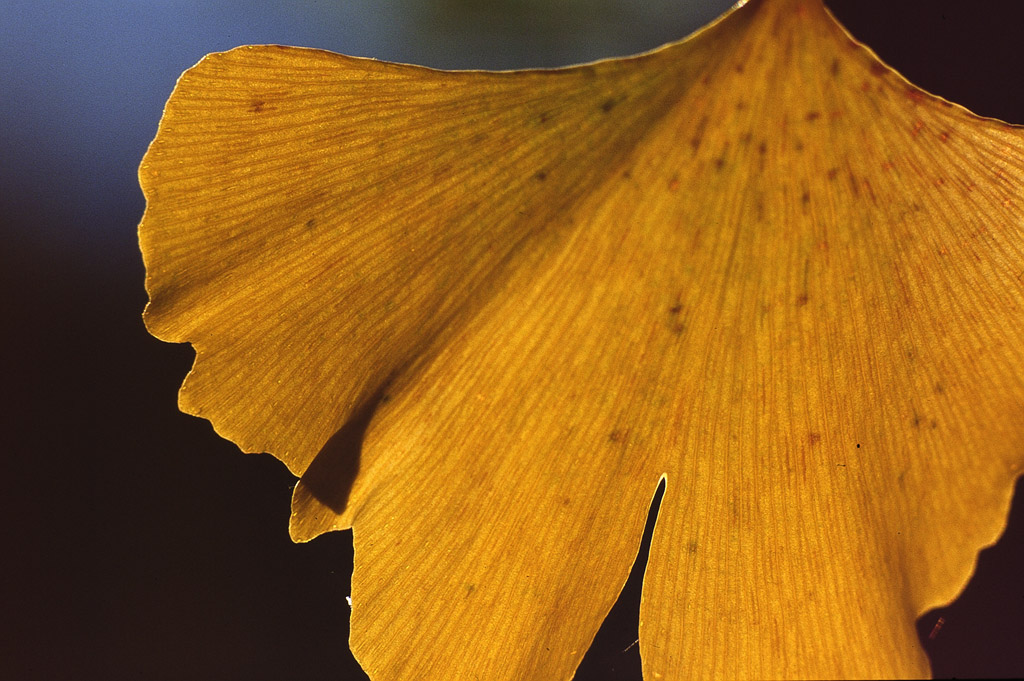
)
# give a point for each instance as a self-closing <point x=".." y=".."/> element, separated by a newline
<point x="762" y="148"/>
<point x="618" y="435"/>
<point x="814" y="438"/>
<point x="566" y="501"/>
<point x="858" y="445"/>
<point x="691" y="547"/>
<point x="257" y="106"/>
<point x="698" y="134"/>
<point x="801" y="300"/>
<point x="673" y="183"/>
<point x="944" y="136"/>
<point x="608" y="105"/>
<point x="853" y="185"/>
<point x="835" y="68"/>
<point x="311" y="223"/>
<point x="746" y="137"/>
<point x="719" y="163"/>
<point x="878" y="69"/>
<point x="674" y="323"/>
<point x="812" y="116"/>
<point x="939" y="389"/>
<point x="541" y="175"/>
<point x="832" y="172"/>
<point x="916" y="97"/>
<point x="805" y="197"/>
<point x="934" y="424"/>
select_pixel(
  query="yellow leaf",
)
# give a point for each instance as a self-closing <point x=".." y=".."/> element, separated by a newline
<point x="483" y="315"/>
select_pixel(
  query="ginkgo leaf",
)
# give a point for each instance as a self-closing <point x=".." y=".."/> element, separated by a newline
<point x="483" y="315"/>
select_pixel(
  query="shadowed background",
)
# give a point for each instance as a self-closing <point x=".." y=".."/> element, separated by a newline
<point x="138" y="544"/>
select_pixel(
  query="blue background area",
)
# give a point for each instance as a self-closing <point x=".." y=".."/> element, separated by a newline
<point x="141" y="546"/>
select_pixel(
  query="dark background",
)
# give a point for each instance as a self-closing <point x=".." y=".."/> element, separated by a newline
<point x="139" y="545"/>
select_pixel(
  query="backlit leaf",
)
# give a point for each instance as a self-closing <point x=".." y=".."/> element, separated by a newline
<point x="483" y="315"/>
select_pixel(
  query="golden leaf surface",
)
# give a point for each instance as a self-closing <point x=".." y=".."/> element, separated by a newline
<point x="483" y="315"/>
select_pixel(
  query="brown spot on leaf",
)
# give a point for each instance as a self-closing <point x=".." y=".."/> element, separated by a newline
<point x="540" y="175"/>
<point x="812" y="116"/>
<point x="698" y="134"/>
<point x="608" y="105"/>
<point x="674" y="323"/>
<point x="618" y="435"/>
<point x="801" y="300"/>
<point x="813" y="437"/>
<point x="257" y="106"/>
<point x="878" y="69"/>
<point x="915" y="96"/>
<point x="832" y="172"/>
<point x="870" y="190"/>
<point x="834" y="69"/>
<point x="311" y="223"/>
<point x="853" y="185"/>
